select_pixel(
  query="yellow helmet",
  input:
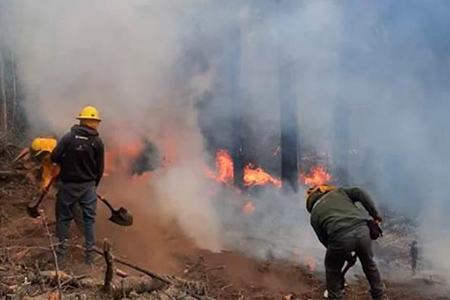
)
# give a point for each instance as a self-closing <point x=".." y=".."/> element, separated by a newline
<point x="40" y="145"/>
<point x="89" y="113"/>
<point x="324" y="188"/>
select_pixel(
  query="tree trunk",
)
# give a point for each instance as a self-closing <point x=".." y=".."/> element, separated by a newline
<point x="288" y="103"/>
<point x="3" y="107"/>
<point x="238" y="107"/>
<point x="14" y="91"/>
<point x="342" y="143"/>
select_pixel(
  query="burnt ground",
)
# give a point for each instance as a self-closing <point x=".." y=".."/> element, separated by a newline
<point x="24" y="254"/>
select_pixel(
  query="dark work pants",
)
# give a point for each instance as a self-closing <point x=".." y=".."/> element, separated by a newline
<point x="69" y="195"/>
<point x="339" y="249"/>
<point x="77" y="216"/>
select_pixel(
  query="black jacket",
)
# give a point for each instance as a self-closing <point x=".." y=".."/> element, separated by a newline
<point x="81" y="155"/>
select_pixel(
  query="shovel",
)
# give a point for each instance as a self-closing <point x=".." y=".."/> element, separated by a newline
<point x="32" y="209"/>
<point x="121" y="216"/>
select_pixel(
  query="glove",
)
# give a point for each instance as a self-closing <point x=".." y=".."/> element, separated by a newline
<point x="378" y="219"/>
<point x="375" y="229"/>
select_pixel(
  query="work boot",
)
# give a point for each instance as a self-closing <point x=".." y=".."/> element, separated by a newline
<point x="383" y="297"/>
<point x="89" y="257"/>
<point x="62" y="260"/>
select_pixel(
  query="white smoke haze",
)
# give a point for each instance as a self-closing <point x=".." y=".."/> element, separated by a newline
<point x="149" y="65"/>
<point x="122" y="57"/>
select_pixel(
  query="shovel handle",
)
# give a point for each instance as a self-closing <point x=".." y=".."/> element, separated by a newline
<point x="350" y="263"/>
<point x="44" y="193"/>
<point x="105" y="201"/>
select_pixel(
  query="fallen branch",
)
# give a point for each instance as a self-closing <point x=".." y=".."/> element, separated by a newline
<point x="109" y="259"/>
<point x="218" y="268"/>
<point x="7" y="289"/>
<point x="130" y="265"/>
<point x="6" y="173"/>
<point x="73" y="281"/>
<point x="121" y="287"/>
<point x="121" y="273"/>
<point x="55" y="258"/>
<point x="11" y="145"/>
<point x="149" y="273"/>
<point x="38" y="278"/>
<point x="52" y="275"/>
<point x="139" y="285"/>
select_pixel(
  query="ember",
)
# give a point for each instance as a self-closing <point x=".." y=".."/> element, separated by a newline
<point x="310" y="263"/>
<point x="249" y="208"/>
<point x="317" y="176"/>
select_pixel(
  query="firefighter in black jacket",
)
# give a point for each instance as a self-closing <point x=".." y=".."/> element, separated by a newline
<point x="80" y="153"/>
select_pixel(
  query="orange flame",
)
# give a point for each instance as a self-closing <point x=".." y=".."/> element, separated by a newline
<point x="257" y="176"/>
<point x="252" y="176"/>
<point x="310" y="263"/>
<point x="317" y="176"/>
<point x="249" y="208"/>
<point x="224" y="168"/>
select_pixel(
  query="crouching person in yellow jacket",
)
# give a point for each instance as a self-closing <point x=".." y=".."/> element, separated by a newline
<point x="43" y="171"/>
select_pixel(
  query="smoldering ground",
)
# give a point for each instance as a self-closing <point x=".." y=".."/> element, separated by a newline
<point x="165" y="70"/>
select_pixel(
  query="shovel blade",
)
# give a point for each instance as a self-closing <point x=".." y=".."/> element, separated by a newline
<point x="121" y="217"/>
<point x="33" y="211"/>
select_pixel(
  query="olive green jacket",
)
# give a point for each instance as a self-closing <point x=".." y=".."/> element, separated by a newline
<point x="335" y="212"/>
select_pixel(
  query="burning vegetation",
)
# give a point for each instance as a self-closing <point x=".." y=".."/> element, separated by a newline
<point x="257" y="176"/>
<point x="317" y="176"/>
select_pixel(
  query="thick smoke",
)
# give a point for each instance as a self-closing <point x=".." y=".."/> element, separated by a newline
<point x="126" y="58"/>
<point x="163" y="70"/>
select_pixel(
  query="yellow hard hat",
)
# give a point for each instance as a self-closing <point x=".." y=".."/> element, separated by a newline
<point x="40" y="145"/>
<point x="89" y="113"/>
<point x="324" y="188"/>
